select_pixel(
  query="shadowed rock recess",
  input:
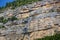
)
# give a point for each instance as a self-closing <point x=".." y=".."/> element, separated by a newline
<point x="31" y="21"/>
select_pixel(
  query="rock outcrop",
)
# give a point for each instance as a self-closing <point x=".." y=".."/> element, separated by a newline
<point x="33" y="21"/>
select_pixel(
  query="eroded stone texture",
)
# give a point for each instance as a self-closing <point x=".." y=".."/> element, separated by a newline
<point x="40" y="18"/>
<point x="2" y="38"/>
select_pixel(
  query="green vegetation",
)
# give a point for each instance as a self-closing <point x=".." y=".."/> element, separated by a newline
<point x="2" y="26"/>
<point x="17" y="3"/>
<point x="12" y="18"/>
<point x="54" y="37"/>
<point x="3" y="20"/>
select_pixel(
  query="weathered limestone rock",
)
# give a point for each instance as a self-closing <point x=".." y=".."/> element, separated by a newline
<point x="2" y="38"/>
<point x="40" y="34"/>
<point x="24" y="15"/>
<point x="40" y="21"/>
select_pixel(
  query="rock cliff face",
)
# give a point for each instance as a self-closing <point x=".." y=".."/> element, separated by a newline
<point x="30" y="22"/>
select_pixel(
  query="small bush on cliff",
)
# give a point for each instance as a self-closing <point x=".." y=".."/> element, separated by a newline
<point x="12" y="18"/>
<point x="2" y="26"/>
<point x="3" y="20"/>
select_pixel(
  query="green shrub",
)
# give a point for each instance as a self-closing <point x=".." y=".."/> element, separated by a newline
<point x="12" y="18"/>
<point x="3" y="20"/>
<point x="2" y="26"/>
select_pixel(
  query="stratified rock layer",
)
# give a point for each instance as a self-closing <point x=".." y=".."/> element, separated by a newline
<point x="39" y="19"/>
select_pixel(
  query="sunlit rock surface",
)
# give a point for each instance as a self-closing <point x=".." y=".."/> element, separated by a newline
<point x="34" y="20"/>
